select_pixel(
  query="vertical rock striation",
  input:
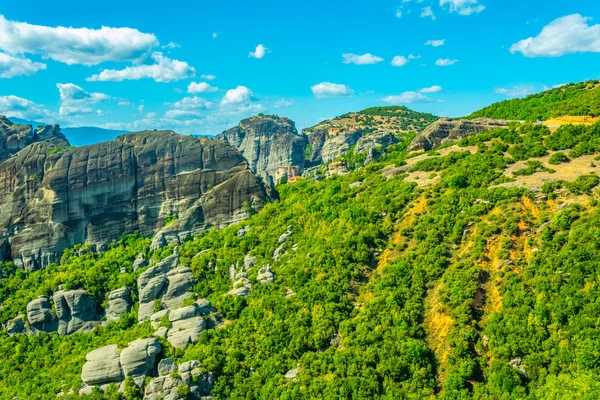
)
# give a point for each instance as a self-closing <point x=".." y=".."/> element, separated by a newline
<point x="53" y="196"/>
<point x="271" y="144"/>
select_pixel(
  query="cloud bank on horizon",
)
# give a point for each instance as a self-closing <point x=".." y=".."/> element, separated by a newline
<point x="133" y="77"/>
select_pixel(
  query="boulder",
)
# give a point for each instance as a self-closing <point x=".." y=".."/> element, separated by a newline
<point x="156" y="318"/>
<point x="158" y="241"/>
<point x="102" y="365"/>
<point x="249" y="261"/>
<point x="139" y="262"/>
<point x="39" y="314"/>
<point x="138" y="358"/>
<point x="164" y="387"/>
<point x="15" y="326"/>
<point x="337" y="168"/>
<point x="284" y="236"/>
<point x="187" y="325"/>
<point x="75" y="310"/>
<point x="119" y="303"/>
<point x="166" y="366"/>
<point x="292" y="373"/>
<point x="180" y="282"/>
<point x="265" y="275"/>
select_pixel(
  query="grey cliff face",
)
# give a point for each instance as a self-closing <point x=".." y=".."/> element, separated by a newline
<point x="95" y="193"/>
<point x="448" y="130"/>
<point x="271" y="144"/>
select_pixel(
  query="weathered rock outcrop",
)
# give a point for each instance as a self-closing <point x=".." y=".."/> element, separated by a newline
<point x="52" y="197"/>
<point x="102" y="365"/>
<point x="15" y="137"/>
<point x="165" y="385"/>
<point x="72" y="311"/>
<point x="75" y="310"/>
<point x="374" y="144"/>
<point x="119" y="303"/>
<point x="271" y="144"/>
<point x="40" y="316"/>
<point x="165" y="282"/>
<point x="185" y="323"/>
<point x="105" y="365"/>
<point x="450" y="130"/>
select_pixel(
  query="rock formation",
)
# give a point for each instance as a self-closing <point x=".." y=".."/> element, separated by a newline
<point x="450" y="130"/>
<point x="165" y="385"/>
<point x="165" y="282"/>
<point x="15" y="137"/>
<point x="53" y="196"/>
<point x="106" y="365"/>
<point x="119" y="303"/>
<point x="271" y="144"/>
<point x="75" y="310"/>
<point x="72" y="311"/>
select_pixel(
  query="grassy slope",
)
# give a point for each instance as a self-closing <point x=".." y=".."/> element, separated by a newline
<point x="570" y="100"/>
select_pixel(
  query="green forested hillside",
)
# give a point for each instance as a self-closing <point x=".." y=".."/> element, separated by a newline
<point x="579" y="99"/>
<point x="450" y="280"/>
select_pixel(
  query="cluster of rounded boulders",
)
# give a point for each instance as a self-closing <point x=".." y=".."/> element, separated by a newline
<point x="171" y="377"/>
<point x="166" y="282"/>
<point x="265" y="275"/>
<point x="74" y="311"/>
<point x="187" y="323"/>
<point x="106" y="365"/>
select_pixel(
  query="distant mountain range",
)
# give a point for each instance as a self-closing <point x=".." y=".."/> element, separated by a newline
<point x="78" y="136"/>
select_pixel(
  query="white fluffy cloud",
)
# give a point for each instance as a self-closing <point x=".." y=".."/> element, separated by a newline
<point x="444" y="62"/>
<point x="259" y="52"/>
<point x="192" y="103"/>
<point x="75" y="45"/>
<point x="76" y="101"/>
<point x="399" y="61"/>
<point x="463" y="7"/>
<point x="432" y="89"/>
<point x="328" y="89"/>
<point x="365" y="59"/>
<point x="13" y="106"/>
<point x="18" y="66"/>
<point x="283" y="103"/>
<point x="208" y="77"/>
<point x="407" y="98"/>
<point x="163" y="70"/>
<point x="427" y="12"/>
<point x="239" y="95"/>
<point x="182" y="114"/>
<point x="565" y="35"/>
<point x="435" y="43"/>
<point x="516" y="91"/>
<point x="201" y="87"/>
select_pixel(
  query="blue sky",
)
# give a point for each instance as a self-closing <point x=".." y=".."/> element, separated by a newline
<point x="310" y="60"/>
